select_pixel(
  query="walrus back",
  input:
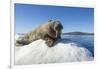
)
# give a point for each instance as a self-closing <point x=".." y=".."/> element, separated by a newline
<point x="27" y="38"/>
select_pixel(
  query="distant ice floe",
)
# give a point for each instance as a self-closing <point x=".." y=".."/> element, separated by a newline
<point x="38" y="52"/>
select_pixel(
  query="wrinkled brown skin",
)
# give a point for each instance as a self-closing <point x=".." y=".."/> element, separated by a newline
<point x="50" y="32"/>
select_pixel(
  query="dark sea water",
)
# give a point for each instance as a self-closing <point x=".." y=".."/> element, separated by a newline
<point x="86" y="41"/>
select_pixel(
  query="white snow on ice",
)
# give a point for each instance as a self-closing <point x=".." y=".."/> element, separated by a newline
<point x="38" y="52"/>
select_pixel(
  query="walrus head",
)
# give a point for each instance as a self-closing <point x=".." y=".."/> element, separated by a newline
<point x="55" y="29"/>
<point x="58" y="28"/>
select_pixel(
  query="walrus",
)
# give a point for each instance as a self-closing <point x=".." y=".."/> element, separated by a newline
<point x="50" y="32"/>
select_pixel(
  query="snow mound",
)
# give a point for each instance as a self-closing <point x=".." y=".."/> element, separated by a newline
<point x="38" y="52"/>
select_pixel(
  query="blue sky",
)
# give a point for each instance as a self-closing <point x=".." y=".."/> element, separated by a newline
<point x="28" y="17"/>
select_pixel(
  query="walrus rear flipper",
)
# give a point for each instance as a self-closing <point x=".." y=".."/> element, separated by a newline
<point x="22" y="42"/>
